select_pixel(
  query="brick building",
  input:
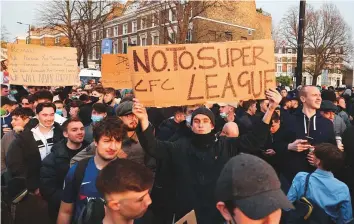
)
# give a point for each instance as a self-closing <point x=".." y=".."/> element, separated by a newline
<point x="286" y="60"/>
<point x="138" y="24"/>
<point x="45" y="37"/>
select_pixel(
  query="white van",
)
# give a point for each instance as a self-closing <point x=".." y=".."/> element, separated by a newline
<point x="89" y="73"/>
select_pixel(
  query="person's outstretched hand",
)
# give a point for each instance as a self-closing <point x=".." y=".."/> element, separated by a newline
<point x="274" y="98"/>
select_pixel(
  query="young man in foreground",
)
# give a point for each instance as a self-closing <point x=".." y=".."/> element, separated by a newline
<point x="125" y="187"/>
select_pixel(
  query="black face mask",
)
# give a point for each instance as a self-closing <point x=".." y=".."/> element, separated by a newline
<point x="94" y="98"/>
<point x="109" y="103"/>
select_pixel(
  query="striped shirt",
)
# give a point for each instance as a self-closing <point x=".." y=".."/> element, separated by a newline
<point x="44" y="141"/>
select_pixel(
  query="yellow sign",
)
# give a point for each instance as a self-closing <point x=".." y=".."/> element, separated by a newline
<point x="172" y="75"/>
<point x="115" y="71"/>
<point x="34" y="65"/>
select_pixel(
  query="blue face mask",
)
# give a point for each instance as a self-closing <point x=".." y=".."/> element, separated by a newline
<point x="96" y="118"/>
<point x="13" y="92"/>
<point x="59" y="112"/>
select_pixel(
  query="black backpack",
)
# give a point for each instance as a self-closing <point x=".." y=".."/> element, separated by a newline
<point x="306" y="211"/>
<point x="93" y="212"/>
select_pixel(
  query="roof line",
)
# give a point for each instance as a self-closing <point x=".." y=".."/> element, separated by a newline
<point x="225" y="23"/>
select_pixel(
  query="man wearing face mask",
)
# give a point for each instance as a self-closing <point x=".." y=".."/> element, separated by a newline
<point x="99" y="111"/>
<point x="25" y="155"/>
<point x="199" y="160"/>
<point x="227" y="114"/>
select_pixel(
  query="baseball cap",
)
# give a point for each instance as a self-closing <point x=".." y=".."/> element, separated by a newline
<point x="252" y="185"/>
<point x="228" y="104"/>
<point x="327" y="105"/>
<point x="124" y="108"/>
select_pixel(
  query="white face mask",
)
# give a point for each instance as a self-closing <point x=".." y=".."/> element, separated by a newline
<point x="223" y="115"/>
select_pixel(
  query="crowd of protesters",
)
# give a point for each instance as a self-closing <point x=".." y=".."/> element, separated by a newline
<point x="90" y="154"/>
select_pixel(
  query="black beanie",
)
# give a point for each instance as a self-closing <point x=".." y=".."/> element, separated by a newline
<point x="205" y="111"/>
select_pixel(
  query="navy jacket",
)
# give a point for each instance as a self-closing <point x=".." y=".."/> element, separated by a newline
<point x="299" y="126"/>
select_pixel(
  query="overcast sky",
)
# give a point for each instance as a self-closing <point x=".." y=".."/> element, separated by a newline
<point x="13" y="11"/>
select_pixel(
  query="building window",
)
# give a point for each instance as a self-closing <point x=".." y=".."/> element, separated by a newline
<point x="153" y="19"/>
<point x="290" y="69"/>
<point x="101" y="34"/>
<point x="108" y="32"/>
<point x="172" y="15"/>
<point x="278" y="59"/>
<point x="94" y="52"/>
<point x="134" y="26"/>
<point x="173" y="38"/>
<point x="143" y="41"/>
<point x="57" y="40"/>
<point x="125" y="28"/>
<point x="289" y="59"/>
<point x="155" y="40"/>
<point x="143" y="23"/>
<point x="116" y="31"/>
<point x="42" y="41"/>
<point x="115" y="47"/>
<point x="290" y="51"/>
<point x="125" y="46"/>
<point x="94" y="36"/>
<point x="279" y="68"/>
<point x="189" y="36"/>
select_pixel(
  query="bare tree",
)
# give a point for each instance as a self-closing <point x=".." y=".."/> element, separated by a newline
<point x="76" y="19"/>
<point x="4" y="33"/>
<point x="175" y="17"/>
<point x="327" y="37"/>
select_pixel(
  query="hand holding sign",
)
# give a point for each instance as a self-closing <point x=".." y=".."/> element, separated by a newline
<point x="140" y="112"/>
<point x="274" y="98"/>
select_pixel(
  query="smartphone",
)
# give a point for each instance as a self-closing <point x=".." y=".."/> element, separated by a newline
<point x="309" y="139"/>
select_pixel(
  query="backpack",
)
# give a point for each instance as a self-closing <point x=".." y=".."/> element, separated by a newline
<point x="93" y="212"/>
<point x="306" y="211"/>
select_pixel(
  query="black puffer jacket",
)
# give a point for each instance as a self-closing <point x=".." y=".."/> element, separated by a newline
<point x="197" y="163"/>
<point x="23" y="158"/>
<point x="54" y="169"/>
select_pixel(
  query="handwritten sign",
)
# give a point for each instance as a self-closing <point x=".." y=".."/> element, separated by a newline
<point x="188" y="219"/>
<point x="42" y="66"/>
<point x="115" y="71"/>
<point x="172" y="75"/>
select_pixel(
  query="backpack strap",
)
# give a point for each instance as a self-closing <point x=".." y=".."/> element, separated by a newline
<point x="306" y="184"/>
<point x="79" y="174"/>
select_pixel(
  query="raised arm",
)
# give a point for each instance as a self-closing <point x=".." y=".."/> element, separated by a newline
<point x="252" y="141"/>
<point x="152" y="146"/>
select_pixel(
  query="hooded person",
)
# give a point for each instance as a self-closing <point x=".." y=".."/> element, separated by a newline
<point x="200" y="159"/>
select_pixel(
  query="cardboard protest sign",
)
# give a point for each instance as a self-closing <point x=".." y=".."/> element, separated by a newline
<point x="115" y="71"/>
<point x="188" y="219"/>
<point x="34" y="65"/>
<point x="172" y="75"/>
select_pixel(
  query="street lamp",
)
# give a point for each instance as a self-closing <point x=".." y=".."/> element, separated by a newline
<point x="29" y="31"/>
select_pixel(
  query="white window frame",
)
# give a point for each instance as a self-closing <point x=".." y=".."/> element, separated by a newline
<point x="158" y="40"/>
<point x="115" y="47"/>
<point x="290" y="51"/>
<point x="93" y="35"/>
<point x="108" y="32"/>
<point x="42" y="41"/>
<point x="170" y="15"/>
<point x="190" y="35"/>
<point x="133" y="40"/>
<point x="57" y="40"/>
<point x="170" y="35"/>
<point x="281" y="68"/>
<point x="142" y="42"/>
<point x="134" y="26"/>
<point x="289" y="59"/>
<point x="94" y="52"/>
<point x="116" y="31"/>
<point x="153" y="20"/>
<point x="145" y="23"/>
<point x="125" y="28"/>
<point x="289" y="68"/>
<point x="124" y="41"/>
